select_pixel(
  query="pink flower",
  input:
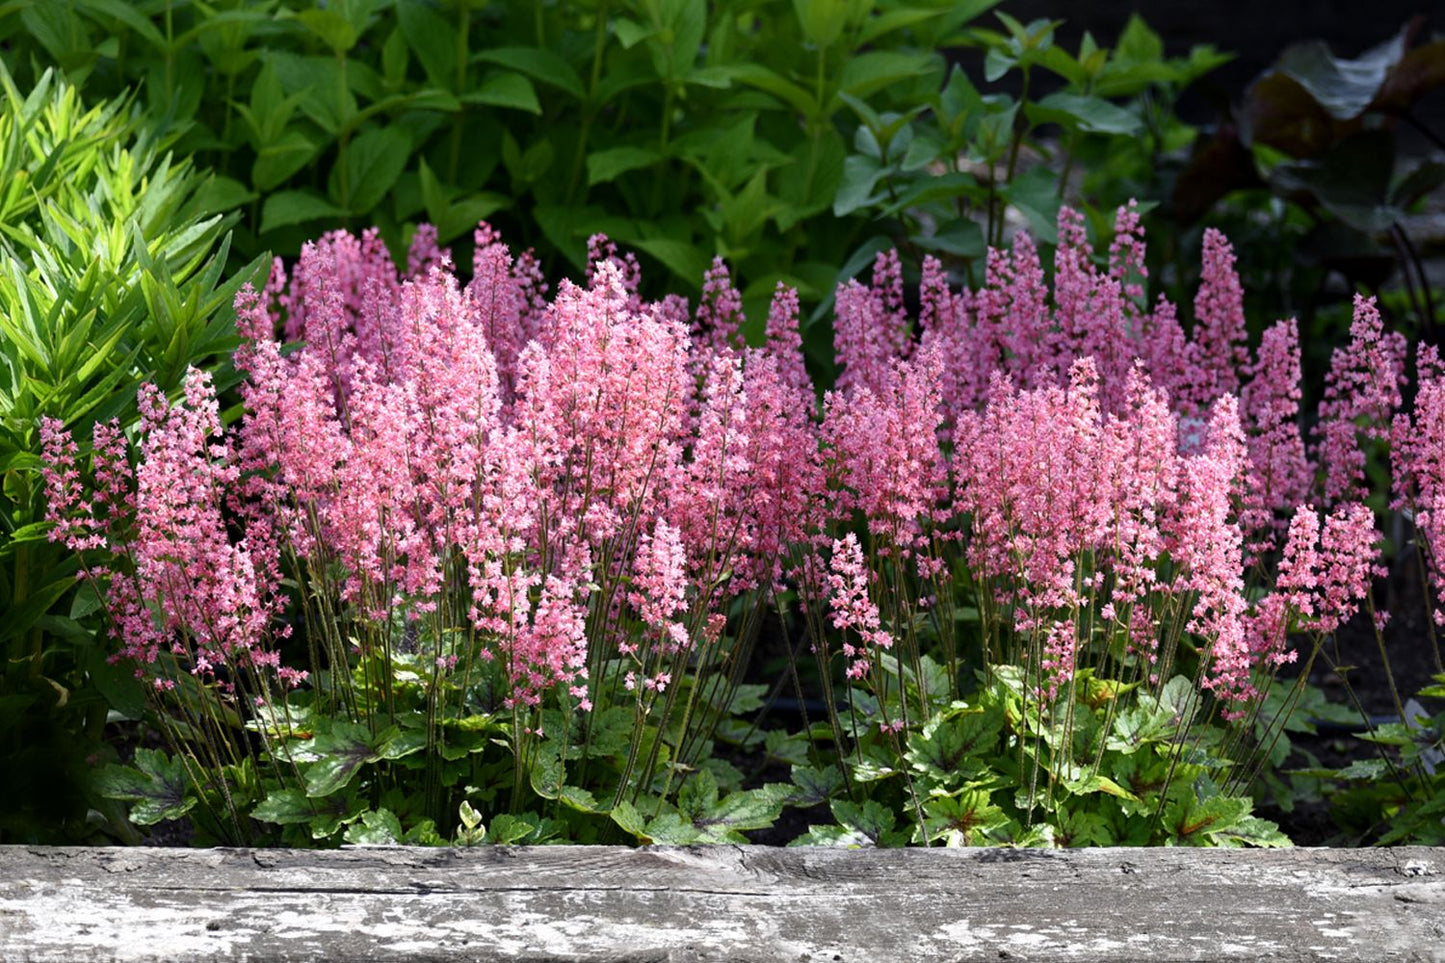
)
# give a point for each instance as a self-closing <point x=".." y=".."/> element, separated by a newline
<point x="1326" y="571"/>
<point x="1418" y="453"/>
<point x="852" y="607"/>
<point x="1208" y="545"/>
<point x="1219" y="331"/>
<point x="870" y="329"/>
<point x="1362" y="392"/>
<point x="885" y="447"/>
<point x="1279" y="474"/>
<point x="717" y="326"/>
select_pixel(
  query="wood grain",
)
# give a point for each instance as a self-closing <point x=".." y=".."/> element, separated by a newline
<point x="722" y="903"/>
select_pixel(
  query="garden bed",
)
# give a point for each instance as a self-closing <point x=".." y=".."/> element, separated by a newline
<point x="720" y="903"/>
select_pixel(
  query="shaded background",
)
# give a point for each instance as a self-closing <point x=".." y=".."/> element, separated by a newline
<point x="1256" y="31"/>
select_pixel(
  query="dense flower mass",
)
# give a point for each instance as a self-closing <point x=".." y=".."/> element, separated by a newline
<point x="580" y="489"/>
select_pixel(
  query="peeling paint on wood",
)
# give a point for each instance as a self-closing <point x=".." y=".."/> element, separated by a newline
<point x="722" y="903"/>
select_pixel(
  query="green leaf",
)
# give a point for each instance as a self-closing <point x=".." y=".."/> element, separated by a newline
<point x="117" y="684"/>
<point x="1099" y="783"/>
<point x="607" y="165"/>
<point x="548" y="776"/>
<point x="379" y="828"/>
<point x="625" y="815"/>
<point x="342" y="748"/>
<point x="296" y="207"/>
<point x="1092" y="115"/>
<point x="961" y="239"/>
<point x="630" y="33"/>
<point x="946" y="741"/>
<point x="790" y="93"/>
<point x="397" y="743"/>
<point x="1345" y="88"/>
<point x="962" y="820"/>
<point x="19" y="619"/>
<point x="580" y="799"/>
<point x="288" y="807"/>
<point x="822" y="20"/>
<point x="278" y="159"/>
<point x="433" y="40"/>
<point x="156" y="785"/>
<point x="697" y="794"/>
<point x="1193" y="821"/>
<point x="670" y="829"/>
<point x="223" y="194"/>
<point x="539" y="63"/>
<point x="507" y="829"/>
<point x="867" y="824"/>
<point x="688" y="262"/>
<point x="1082" y="828"/>
<point x="1036" y="194"/>
<point x="1139" y="43"/>
<point x="374" y="161"/>
<point x="860" y="175"/>
<point x="727" y="819"/>
<point x="470" y="818"/>
<point x="1254" y="831"/>
<point x="334" y="30"/>
<point x="815" y="786"/>
<point x="505" y="90"/>
<point x="876" y="70"/>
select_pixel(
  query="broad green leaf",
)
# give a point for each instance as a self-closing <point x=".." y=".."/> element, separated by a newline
<point x="1036" y="194"/>
<point x="1139" y="43"/>
<point x="1253" y="831"/>
<point x="625" y="815"/>
<point x="379" y="828"/>
<point x="607" y="165"/>
<point x="822" y="21"/>
<point x="287" y="807"/>
<point x="726" y="819"/>
<point x="670" y="829"/>
<point x="342" y="748"/>
<point x="547" y="775"/>
<point x="1193" y="821"/>
<point x="876" y="70"/>
<point x="1090" y="114"/>
<point x="860" y="175"/>
<point x="868" y="823"/>
<point x="889" y="21"/>
<point x="397" y="743"/>
<point x="790" y="93"/>
<point x="1099" y="783"/>
<point x="815" y="786"/>
<point x="374" y="161"/>
<point x="507" y="829"/>
<point x="463" y="215"/>
<point x="961" y="239"/>
<point x="962" y="820"/>
<point x="539" y="63"/>
<point x="433" y="40"/>
<point x="580" y="799"/>
<point x="947" y="740"/>
<point x="630" y="33"/>
<point x="296" y="207"/>
<point x="156" y="785"/>
<point x="334" y="30"/>
<point x="686" y="261"/>
<point x="505" y="90"/>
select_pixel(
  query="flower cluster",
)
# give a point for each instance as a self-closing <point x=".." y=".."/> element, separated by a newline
<point x="573" y="484"/>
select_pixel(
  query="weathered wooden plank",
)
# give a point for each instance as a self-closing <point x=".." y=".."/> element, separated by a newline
<point x="724" y="903"/>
